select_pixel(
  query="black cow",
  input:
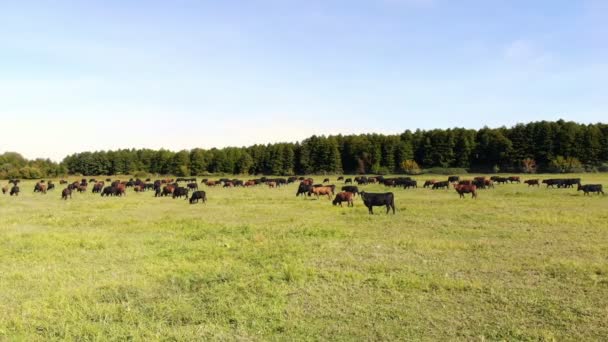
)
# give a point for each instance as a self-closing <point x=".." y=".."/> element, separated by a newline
<point x="587" y="188"/>
<point x="109" y="191"/>
<point x="351" y="188"/>
<point x="180" y="192"/>
<point x="348" y="181"/>
<point x="198" y="195"/>
<point x="14" y="190"/>
<point x="340" y="178"/>
<point x="452" y="179"/>
<point x="192" y="186"/>
<point x="409" y="183"/>
<point x="67" y="192"/>
<point x="303" y="189"/>
<point x="326" y="180"/>
<point x="441" y="185"/>
<point x="378" y="199"/>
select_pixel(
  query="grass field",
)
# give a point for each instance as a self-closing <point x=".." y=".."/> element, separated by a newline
<point x="518" y="263"/>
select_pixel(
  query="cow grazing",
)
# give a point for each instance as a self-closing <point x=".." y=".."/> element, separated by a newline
<point x="65" y="193"/>
<point x="180" y="192"/>
<point x="348" y="181"/>
<point x="409" y="183"/>
<point x="326" y="180"/>
<point x="192" y="186"/>
<point x="532" y="182"/>
<point x="441" y="185"/>
<point x="109" y="191"/>
<point x="303" y="189"/>
<point x="50" y="185"/>
<point x="429" y="183"/>
<point x="321" y="191"/>
<point x="462" y="189"/>
<point x="588" y="188"/>
<point x="351" y="188"/>
<point x="4" y="189"/>
<point x="198" y="195"/>
<point x="344" y="197"/>
<point x="378" y="199"/>
<point x="272" y="184"/>
<point x="514" y="179"/>
<point x="14" y="190"/>
<point x="341" y="178"/>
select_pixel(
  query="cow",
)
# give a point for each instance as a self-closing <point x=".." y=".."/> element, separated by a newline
<point x="514" y="179"/>
<point x="344" y="197"/>
<point x="4" y="189"/>
<point x="441" y="185"/>
<point x="15" y="190"/>
<point x="192" y="186"/>
<point x="168" y="190"/>
<point x="65" y="193"/>
<point x="303" y="189"/>
<point x="63" y="181"/>
<point x="109" y="191"/>
<point x="50" y="185"/>
<point x="326" y="180"/>
<point x="552" y="182"/>
<point x="409" y="184"/>
<point x="429" y="183"/>
<point x="351" y="188"/>
<point x="587" y="188"/>
<point x="180" y="192"/>
<point x="82" y="188"/>
<point x="348" y="181"/>
<point x="321" y="191"/>
<point x="378" y="199"/>
<point x="211" y="183"/>
<point x="40" y="187"/>
<point x="98" y="187"/>
<point x="462" y="189"/>
<point x="453" y="179"/>
<point x="499" y="180"/>
<point x="198" y="195"/>
<point x="341" y="178"/>
<point x="272" y="184"/>
<point x="361" y="180"/>
<point x="532" y="182"/>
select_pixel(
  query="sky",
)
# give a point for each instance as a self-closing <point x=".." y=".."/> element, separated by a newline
<point x="97" y="75"/>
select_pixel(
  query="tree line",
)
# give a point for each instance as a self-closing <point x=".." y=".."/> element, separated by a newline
<point x="559" y="146"/>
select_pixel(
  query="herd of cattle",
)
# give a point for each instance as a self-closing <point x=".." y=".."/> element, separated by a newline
<point x="188" y="188"/>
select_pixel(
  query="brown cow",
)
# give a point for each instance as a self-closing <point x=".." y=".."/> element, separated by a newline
<point x="211" y="183"/>
<point x="344" y="197"/>
<point x="272" y="184"/>
<point x="249" y="183"/>
<point x="514" y="179"/>
<point x="462" y="189"/>
<point x="321" y="190"/>
<point x="4" y="189"/>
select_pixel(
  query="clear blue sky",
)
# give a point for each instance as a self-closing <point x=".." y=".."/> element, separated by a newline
<point x="91" y="75"/>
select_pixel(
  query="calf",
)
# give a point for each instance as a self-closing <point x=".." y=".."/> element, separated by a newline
<point x="378" y="199"/>
<point x="587" y="188"/>
<point x="344" y="197"/>
<point x="198" y="195"/>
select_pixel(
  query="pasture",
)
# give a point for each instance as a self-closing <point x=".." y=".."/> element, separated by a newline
<point x="517" y="263"/>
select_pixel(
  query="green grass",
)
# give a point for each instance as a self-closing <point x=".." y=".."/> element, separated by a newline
<point x="518" y="263"/>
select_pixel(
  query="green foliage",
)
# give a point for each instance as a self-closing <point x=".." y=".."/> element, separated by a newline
<point x="410" y="167"/>
<point x="460" y="148"/>
<point x="445" y="171"/>
<point x="566" y="165"/>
